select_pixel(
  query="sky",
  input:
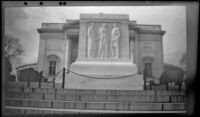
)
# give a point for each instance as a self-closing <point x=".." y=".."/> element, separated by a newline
<point x="23" y="22"/>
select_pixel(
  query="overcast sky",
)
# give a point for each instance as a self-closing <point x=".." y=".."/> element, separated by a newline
<point x="24" y="22"/>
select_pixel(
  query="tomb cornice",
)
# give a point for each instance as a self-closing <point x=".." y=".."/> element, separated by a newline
<point x="104" y="16"/>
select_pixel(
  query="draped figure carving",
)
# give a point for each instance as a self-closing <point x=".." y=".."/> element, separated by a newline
<point x="103" y="37"/>
<point x="115" y="35"/>
<point x="92" y="41"/>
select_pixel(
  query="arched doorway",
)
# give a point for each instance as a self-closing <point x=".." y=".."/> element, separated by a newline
<point x="148" y="64"/>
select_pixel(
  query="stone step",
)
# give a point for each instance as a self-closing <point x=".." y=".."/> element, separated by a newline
<point x="31" y="110"/>
<point x="59" y="85"/>
<point x="96" y="92"/>
<point x="15" y="99"/>
<point x="118" y="106"/>
<point x="97" y="98"/>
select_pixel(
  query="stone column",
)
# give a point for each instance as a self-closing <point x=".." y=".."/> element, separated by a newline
<point x="41" y="55"/>
<point x="67" y="52"/>
<point x="132" y="49"/>
<point x="136" y="50"/>
<point x="65" y="48"/>
<point x="16" y="78"/>
<point x="162" y="59"/>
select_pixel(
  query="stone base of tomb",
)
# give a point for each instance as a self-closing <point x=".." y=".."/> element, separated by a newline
<point x="104" y="75"/>
<point x="104" y="68"/>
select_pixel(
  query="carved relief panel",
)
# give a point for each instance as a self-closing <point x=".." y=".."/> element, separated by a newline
<point x="103" y="40"/>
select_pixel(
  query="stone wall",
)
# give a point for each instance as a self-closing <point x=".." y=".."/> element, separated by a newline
<point x="150" y="45"/>
<point x="51" y="43"/>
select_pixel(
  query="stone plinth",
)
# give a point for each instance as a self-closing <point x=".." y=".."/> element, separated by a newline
<point x="104" y="69"/>
<point x="74" y="81"/>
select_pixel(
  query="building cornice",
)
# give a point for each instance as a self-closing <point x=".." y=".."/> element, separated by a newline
<point x="161" y="32"/>
<point x="71" y="24"/>
<point x="26" y="65"/>
<point x="42" y="30"/>
<point x="72" y="32"/>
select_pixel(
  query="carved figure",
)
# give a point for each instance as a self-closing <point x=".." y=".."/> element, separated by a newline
<point x="103" y="37"/>
<point x="91" y="41"/>
<point x="115" y="35"/>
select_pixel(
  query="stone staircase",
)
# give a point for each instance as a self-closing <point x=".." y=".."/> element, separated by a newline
<point x="44" y="98"/>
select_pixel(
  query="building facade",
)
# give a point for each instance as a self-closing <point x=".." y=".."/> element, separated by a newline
<point x="59" y="43"/>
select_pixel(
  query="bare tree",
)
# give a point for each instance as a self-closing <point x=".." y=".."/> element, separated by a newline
<point x="12" y="46"/>
<point x="12" y="51"/>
